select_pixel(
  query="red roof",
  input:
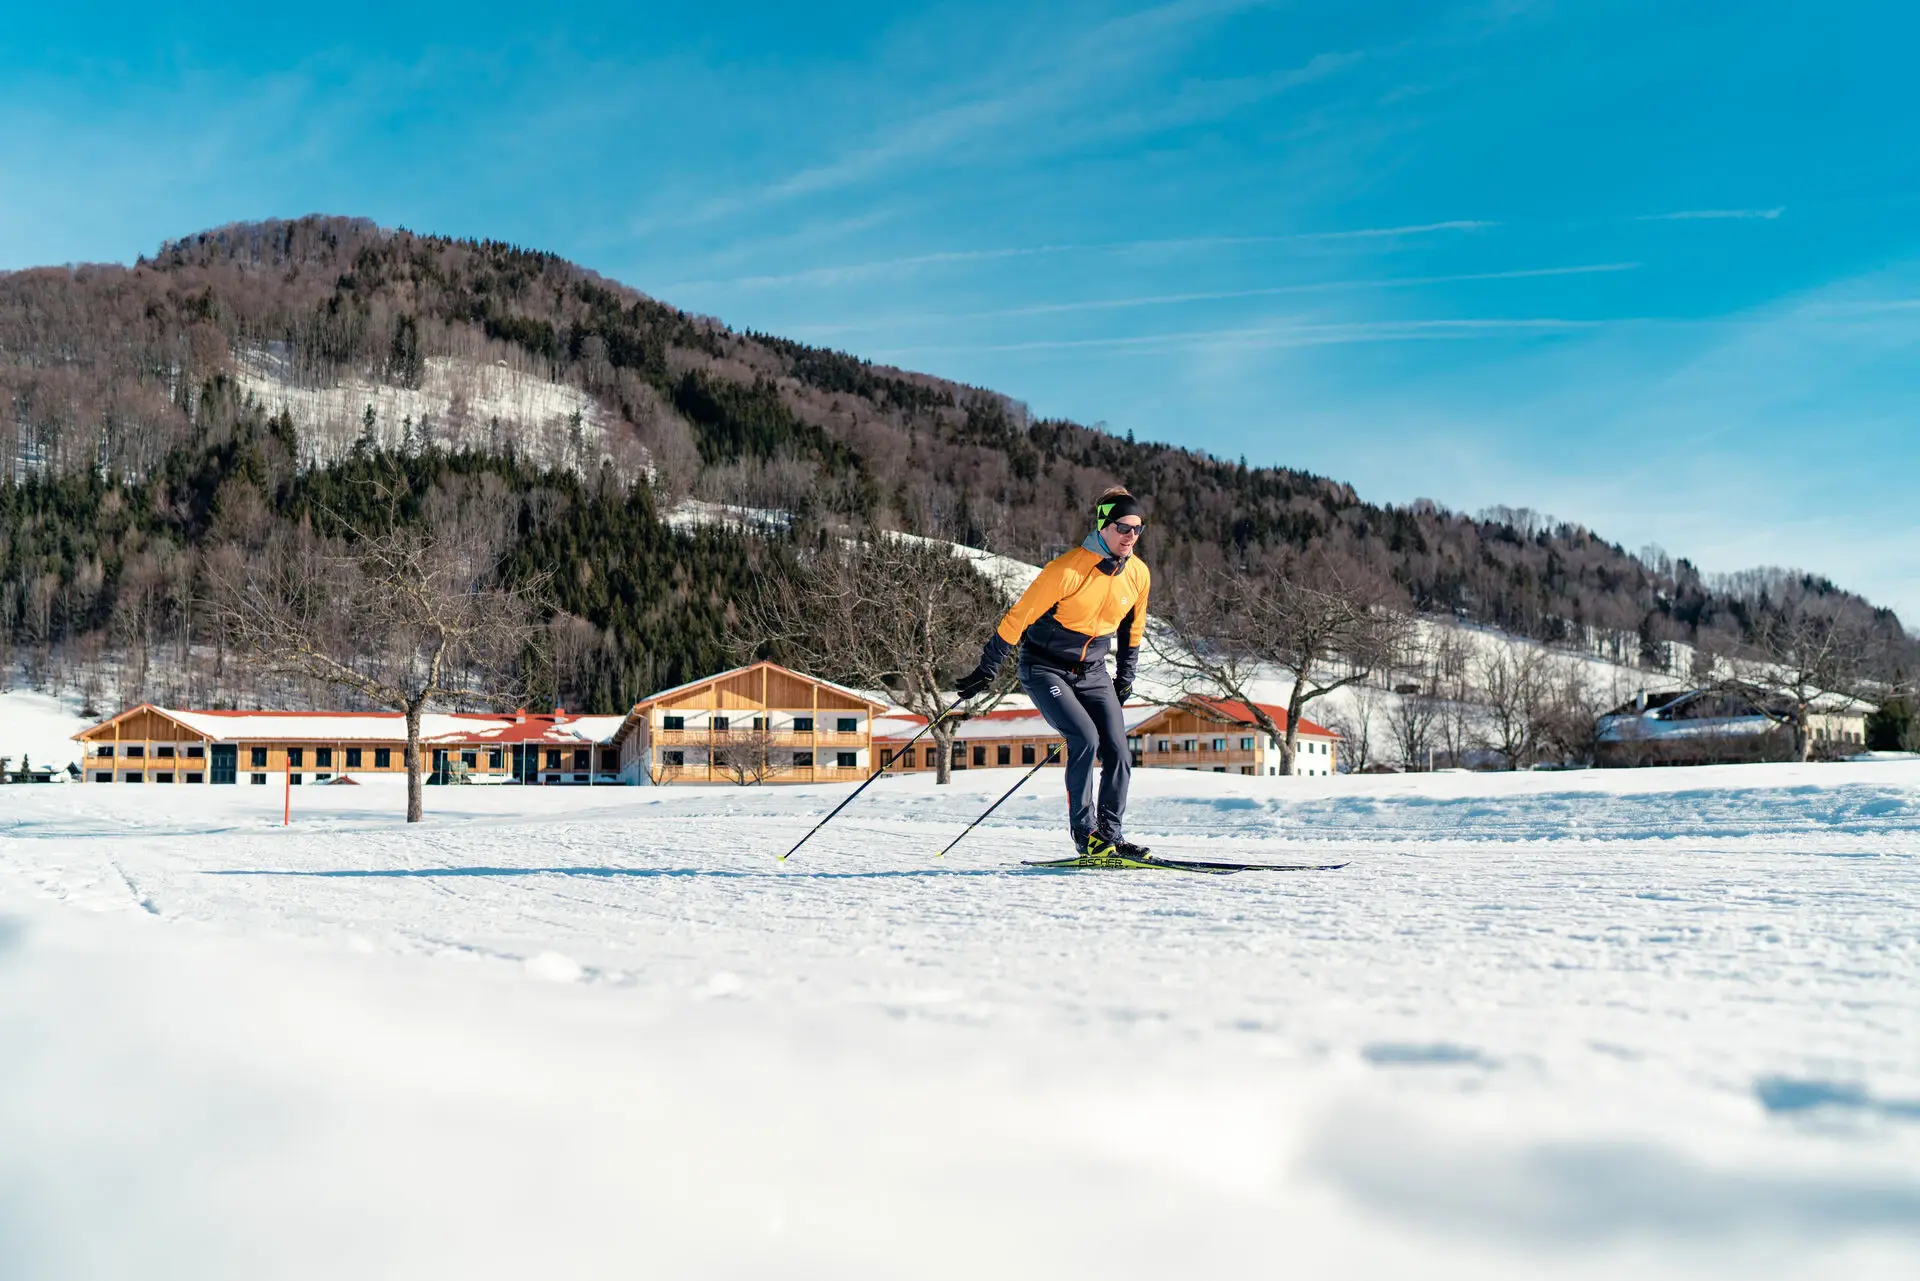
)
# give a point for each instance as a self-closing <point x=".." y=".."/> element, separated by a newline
<point x="1240" y="714"/>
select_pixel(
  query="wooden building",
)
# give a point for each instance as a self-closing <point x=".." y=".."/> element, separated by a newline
<point x="148" y="744"/>
<point x="1223" y="737"/>
<point x="762" y="723"/>
<point x="1005" y="737"/>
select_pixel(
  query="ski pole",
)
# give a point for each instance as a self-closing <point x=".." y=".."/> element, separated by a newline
<point x="1048" y="759"/>
<point x="869" y="783"/>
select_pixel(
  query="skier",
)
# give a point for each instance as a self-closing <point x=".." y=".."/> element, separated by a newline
<point x="1061" y="624"/>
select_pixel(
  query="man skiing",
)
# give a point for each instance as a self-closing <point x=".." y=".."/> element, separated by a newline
<point x="1061" y="624"/>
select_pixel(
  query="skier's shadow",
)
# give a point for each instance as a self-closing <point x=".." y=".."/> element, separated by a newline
<point x="403" y="873"/>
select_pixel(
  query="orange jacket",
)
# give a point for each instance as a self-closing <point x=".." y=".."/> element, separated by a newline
<point x="1068" y="612"/>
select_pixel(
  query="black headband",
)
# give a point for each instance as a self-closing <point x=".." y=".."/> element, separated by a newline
<point x="1112" y="509"/>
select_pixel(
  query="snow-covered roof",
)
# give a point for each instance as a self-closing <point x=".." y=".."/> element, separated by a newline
<point x="386" y="727"/>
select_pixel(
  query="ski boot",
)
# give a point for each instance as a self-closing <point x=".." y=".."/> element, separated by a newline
<point x="1128" y="850"/>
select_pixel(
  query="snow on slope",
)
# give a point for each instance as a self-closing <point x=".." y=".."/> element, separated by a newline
<point x="1656" y="1023"/>
<point x="39" y="727"/>
<point x="457" y="403"/>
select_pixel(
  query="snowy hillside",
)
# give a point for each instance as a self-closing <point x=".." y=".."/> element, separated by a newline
<point x="1646" y="1023"/>
<point x="40" y="727"/>
<point x="459" y="403"/>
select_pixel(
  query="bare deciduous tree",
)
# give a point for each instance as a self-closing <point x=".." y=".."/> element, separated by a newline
<point x="402" y="618"/>
<point x="1411" y="721"/>
<point x="887" y="612"/>
<point x="746" y="755"/>
<point x="1353" y="722"/>
<point x="1515" y="686"/>
<point x="1327" y="622"/>
<point x="1806" y="653"/>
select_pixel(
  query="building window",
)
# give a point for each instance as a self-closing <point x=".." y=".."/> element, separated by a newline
<point x="494" y="758"/>
<point x="323" y="757"/>
<point x="1003" y="755"/>
<point x="609" y="760"/>
<point x="353" y="758"/>
<point x="803" y="760"/>
<point x="759" y="722"/>
<point x="132" y="776"/>
<point x="847" y="760"/>
<point x="294" y="757"/>
<point x="803" y="724"/>
<point x="848" y="725"/>
<point x="196" y="777"/>
<point x="583" y="758"/>
<point x="258" y="780"/>
<point x="166" y="751"/>
<point x="1219" y="744"/>
<point x="1219" y="769"/>
<point x="257" y="756"/>
<point x="980" y="756"/>
<point x="470" y="759"/>
<point x="103" y="776"/>
<point x="933" y="757"/>
<point x="886" y="759"/>
<point x="673" y="722"/>
<point x="1246" y="745"/>
<point x="136" y="750"/>
<point x="1246" y="769"/>
<point x="294" y="780"/>
<point x="321" y="778"/>
<point x="164" y="776"/>
<point x="383" y="758"/>
<point x="553" y="758"/>
<point x="105" y="749"/>
<point x="197" y="752"/>
<point x="723" y="722"/>
<point x="676" y="759"/>
<point x="1026" y="753"/>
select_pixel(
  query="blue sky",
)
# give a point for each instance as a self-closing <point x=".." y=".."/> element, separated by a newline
<point x="1650" y="267"/>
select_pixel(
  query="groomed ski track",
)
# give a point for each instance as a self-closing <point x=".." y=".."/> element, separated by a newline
<point x="1660" y="1022"/>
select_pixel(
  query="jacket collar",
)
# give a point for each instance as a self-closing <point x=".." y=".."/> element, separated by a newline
<point x="1110" y="563"/>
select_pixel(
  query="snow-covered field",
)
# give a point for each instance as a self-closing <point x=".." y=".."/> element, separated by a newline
<point x="1659" y="1023"/>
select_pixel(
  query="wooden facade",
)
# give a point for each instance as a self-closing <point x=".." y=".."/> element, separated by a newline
<point x="762" y="723"/>
<point x="1224" y="738"/>
<point x="156" y="745"/>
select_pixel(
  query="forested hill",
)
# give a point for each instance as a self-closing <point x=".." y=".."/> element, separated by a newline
<point x="308" y="344"/>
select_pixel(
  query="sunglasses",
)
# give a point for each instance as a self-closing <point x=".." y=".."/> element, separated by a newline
<point x="1131" y="531"/>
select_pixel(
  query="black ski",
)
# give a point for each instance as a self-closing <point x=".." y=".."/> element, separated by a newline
<point x="1174" y="865"/>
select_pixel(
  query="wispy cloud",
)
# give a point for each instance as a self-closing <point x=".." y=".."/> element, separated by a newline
<point x="845" y="272"/>
<point x="1028" y="103"/>
<point x="1223" y="295"/>
<point x="1282" y="335"/>
<point x="1691" y="215"/>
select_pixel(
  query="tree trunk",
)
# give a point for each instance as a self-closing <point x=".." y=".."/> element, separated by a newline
<point x="415" y="806"/>
<point x="1290" y="749"/>
<point x="1802" y="734"/>
<point x="942" y="735"/>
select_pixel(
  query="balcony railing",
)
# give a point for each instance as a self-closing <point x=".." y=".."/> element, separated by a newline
<point x="1180" y="760"/>
<point x="697" y="773"/>
<point x="802" y="739"/>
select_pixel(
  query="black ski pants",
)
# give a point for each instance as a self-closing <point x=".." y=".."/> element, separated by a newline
<point x="1083" y="707"/>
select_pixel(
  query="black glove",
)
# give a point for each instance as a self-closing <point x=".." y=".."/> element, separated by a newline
<point x="1123" y="688"/>
<point x="973" y="682"/>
